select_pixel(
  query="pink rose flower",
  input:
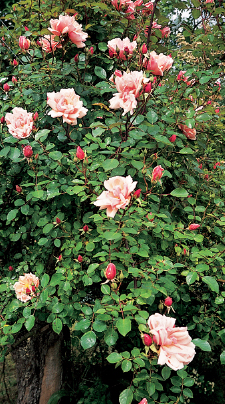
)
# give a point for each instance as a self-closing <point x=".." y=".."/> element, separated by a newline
<point x="209" y="1"/>
<point x="117" y="47"/>
<point x="188" y="132"/>
<point x="48" y="43"/>
<point x="181" y="76"/>
<point x="157" y="173"/>
<point x="117" y="196"/>
<point x="176" y="348"/>
<point x="158" y="63"/>
<point x="25" y="287"/>
<point x="66" y="103"/>
<point x="24" y="43"/>
<point x="19" y="122"/>
<point x="165" y="32"/>
<point x="128" y="86"/>
<point x="68" y="25"/>
<point x="148" y="8"/>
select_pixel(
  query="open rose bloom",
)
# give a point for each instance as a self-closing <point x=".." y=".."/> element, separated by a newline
<point x="48" y="43"/>
<point x="117" y="196"/>
<point x="68" y="25"/>
<point x="157" y="64"/>
<point x="117" y="47"/>
<point x="66" y="103"/>
<point x="128" y="86"/>
<point x="25" y="287"/>
<point x="19" y="122"/>
<point x="175" y="346"/>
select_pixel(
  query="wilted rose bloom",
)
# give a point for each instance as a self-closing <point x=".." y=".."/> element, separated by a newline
<point x="68" y="25"/>
<point x="188" y="132"/>
<point x="175" y="346"/>
<point x="19" y="122"/>
<point x="128" y="86"/>
<point x="25" y="287"/>
<point x="117" y="46"/>
<point x="48" y="43"/>
<point x="24" y="43"/>
<point x="66" y="103"/>
<point x="117" y="196"/>
<point x="194" y="226"/>
<point x="157" y="173"/>
<point x="158" y="63"/>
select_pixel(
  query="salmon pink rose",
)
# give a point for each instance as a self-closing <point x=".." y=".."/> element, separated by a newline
<point x="188" y="132"/>
<point x="48" y="43"/>
<point x="158" y="63"/>
<point x="176" y="348"/>
<point x="66" y="103"/>
<point x="117" y="47"/>
<point x="117" y="196"/>
<point x="26" y="287"/>
<point x="68" y="25"/>
<point x="19" y="122"/>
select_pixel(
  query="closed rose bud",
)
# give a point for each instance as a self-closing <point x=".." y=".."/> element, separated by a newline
<point x="206" y="177"/>
<point x="28" y="291"/>
<point x="147" y="340"/>
<point x="91" y="50"/>
<point x="10" y="268"/>
<point x="172" y="138"/>
<point x="184" y="251"/>
<point x="24" y="43"/>
<point x="137" y="193"/>
<point x="6" y="87"/>
<point x="143" y="401"/>
<point x="209" y="102"/>
<point x="127" y="50"/>
<point x="27" y="151"/>
<point x="80" y="258"/>
<point x="148" y="88"/>
<point x="60" y="257"/>
<point x="58" y="221"/>
<point x="110" y="272"/>
<point x="80" y="153"/>
<point x="217" y="110"/>
<point x="118" y="73"/>
<point x="200" y="166"/>
<point x="18" y="189"/>
<point x="26" y="28"/>
<point x="2" y="119"/>
<point x="144" y="49"/>
<point x="35" y="117"/>
<point x="14" y="79"/>
<point x="76" y="58"/>
<point x="168" y="301"/>
<point x="15" y="63"/>
<point x="194" y="226"/>
<point x="111" y="53"/>
<point x="33" y="288"/>
<point x="157" y="173"/>
<point x="85" y="228"/>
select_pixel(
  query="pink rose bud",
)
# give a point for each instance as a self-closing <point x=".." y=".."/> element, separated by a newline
<point x="33" y="288"/>
<point x="148" y="88"/>
<point x="27" y="151"/>
<point x="28" y="291"/>
<point x="6" y="87"/>
<point x="200" y="166"/>
<point x="168" y="301"/>
<point x="58" y="221"/>
<point x="118" y="73"/>
<point x="111" y="53"/>
<point x="91" y="50"/>
<point x="160" y="84"/>
<point x="39" y="43"/>
<point x="127" y="50"/>
<point x="60" y="257"/>
<point x="2" y="119"/>
<point x="18" y="189"/>
<point x="206" y="177"/>
<point x="194" y="226"/>
<point x="15" y="63"/>
<point x="209" y="102"/>
<point x="80" y="153"/>
<point x="157" y="173"/>
<point x="137" y="193"/>
<point x="155" y="79"/>
<point x="144" y="49"/>
<point x="80" y="258"/>
<point x="85" y="228"/>
<point x="147" y="340"/>
<point x="110" y="272"/>
<point x="35" y="117"/>
<point x="76" y="58"/>
<point x="143" y="401"/>
<point x="24" y="43"/>
<point x="10" y="268"/>
<point x="217" y="110"/>
<point x="26" y="29"/>
<point x="184" y="251"/>
<point x="172" y="138"/>
<point x="14" y="79"/>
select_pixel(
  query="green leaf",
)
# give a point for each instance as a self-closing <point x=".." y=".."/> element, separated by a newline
<point x="202" y="344"/>
<point x="222" y="358"/>
<point x="126" y="397"/>
<point x="44" y="280"/>
<point x="111" y="336"/>
<point x="123" y="325"/>
<point x="12" y="214"/>
<point x="151" y="388"/>
<point x="55" y="155"/>
<point x="152" y="116"/>
<point x="88" y="340"/>
<point x="191" y="277"/>
<point x="110" y="164"/>
<point x="55" y="280"/>
<point x="166" y="371"/>
<point x="114" y="357"/>
<point x="188" y="393"/>
<point x="100" y="72"/>
<point x="99" y="326"/>
<point x="212" y="283"/>
<point x="126" y="365"/>
<point x="105" y="289"/>
<point x="57" y="308"/>
<point x="179" y="193"/>
<point x="204" y="79"/>
<point x="55" y="397"/>
<point x="29" y="323"/>
<point x="57" y="325"/>
<point x="25" y="209"/>
<point x="203" y="117"/>
<point x="43" y="241"/>
<point x="26" y="312"/>
<point x="48" y="227"/>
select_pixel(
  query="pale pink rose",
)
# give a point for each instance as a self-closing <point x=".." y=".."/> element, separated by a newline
<point x="165" y="32"/>
<point x="19" y="122"/>
<point x="24" y="43"/>
<point x="26" y="286"/>
<point x="188" y="132"/>
<point x="48" y="43"/>
<point x="117" y="196"/>
<point x="209" y="1"/>
<point x="118" y="46"/>
<point x="175" y="346"/>
<point x="128" y="86"/>
<point x="158" y="63"/>
<point x="66" y="103"/>
<point x="68" y="25"/>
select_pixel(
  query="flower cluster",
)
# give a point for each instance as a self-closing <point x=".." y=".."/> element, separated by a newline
<point x="175" y="346"/>
<point x="26" y="287"/>
<point x="127" y="6"/>
<point x="19" y="122"/>
<point x="122" y="49"/>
